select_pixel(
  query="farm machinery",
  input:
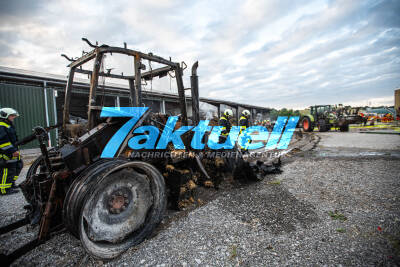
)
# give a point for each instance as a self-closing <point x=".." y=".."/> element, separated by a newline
<point x="112" y="204"/>
<point x="352" y="114"/>
<point x="324" y="117"/>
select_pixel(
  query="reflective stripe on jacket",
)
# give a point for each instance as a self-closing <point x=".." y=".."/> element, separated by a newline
<point x="243" y="123"/>
<point x="8" y="138"/>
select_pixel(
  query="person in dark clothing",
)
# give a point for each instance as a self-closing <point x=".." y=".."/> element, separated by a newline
<point x="244" y="120"/>
<point x="226" y="125"/>
<point x="244" y="124"/>
<point x="10" y="158"/>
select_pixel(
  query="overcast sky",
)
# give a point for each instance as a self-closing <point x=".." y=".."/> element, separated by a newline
<point x="269" y="53"/>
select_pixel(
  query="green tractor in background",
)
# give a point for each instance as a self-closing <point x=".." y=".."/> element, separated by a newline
<point x="324" y="117"/>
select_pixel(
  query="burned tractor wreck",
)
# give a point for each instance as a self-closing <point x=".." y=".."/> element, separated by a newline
<point x="111" y="204"/>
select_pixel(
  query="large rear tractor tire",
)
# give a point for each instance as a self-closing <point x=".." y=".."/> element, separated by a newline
<point x="322" y="127"/>
<point x="307" y="124"/>
<point x="116" y="205"/>
<point x="76" y="193"/>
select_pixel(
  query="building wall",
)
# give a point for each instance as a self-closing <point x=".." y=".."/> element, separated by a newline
<point x="397" y="100"/>
<point x="30" y="102"/>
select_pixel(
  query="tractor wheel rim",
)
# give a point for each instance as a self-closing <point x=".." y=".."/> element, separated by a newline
<point x="138" y="183"/>
<point x="117" y="210"/>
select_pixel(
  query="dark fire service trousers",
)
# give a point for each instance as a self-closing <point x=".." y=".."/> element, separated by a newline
<point x="9" y="174"/>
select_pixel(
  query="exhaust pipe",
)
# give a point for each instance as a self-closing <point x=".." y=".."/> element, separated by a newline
<point x="194" y="84"/>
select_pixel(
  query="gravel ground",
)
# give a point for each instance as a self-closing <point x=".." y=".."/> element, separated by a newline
<point x="360" y="140"/>
<point x="330" y="206"/>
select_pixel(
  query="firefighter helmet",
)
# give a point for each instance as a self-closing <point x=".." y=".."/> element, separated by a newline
<point x="5" y="112"/>
<point x="228" y="112"/>
<point x="246" y="113"/>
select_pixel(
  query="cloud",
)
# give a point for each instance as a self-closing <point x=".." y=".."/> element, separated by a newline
<point x="270" y="53"/>
<point x="18" y="8"/>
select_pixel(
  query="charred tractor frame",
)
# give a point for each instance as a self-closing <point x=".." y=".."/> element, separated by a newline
<point x="113" y="204"/>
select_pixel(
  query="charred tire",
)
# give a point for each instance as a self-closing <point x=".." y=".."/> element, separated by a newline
<point x="28" y="189"/>
<point x="243" y="171"/>
<point x="36" y="164"/>
<point x="121" y="208"/>
<point x="27" y="186"/>
<point x="344" y="128"/>
<point x="76" y="193"/>
<point x="307" y="124"/>
<point x="34" y="167"/>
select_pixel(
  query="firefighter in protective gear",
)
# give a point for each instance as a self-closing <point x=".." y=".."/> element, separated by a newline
<point x="244" y="120"/>
<point x="10" y="158"/>
<point x="226" y="125"/>
<point x="244" y="124"/>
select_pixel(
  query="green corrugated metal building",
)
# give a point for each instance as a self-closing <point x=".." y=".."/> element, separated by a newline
<point x="36" y="106"/>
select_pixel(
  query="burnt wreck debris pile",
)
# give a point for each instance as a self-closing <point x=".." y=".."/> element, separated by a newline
<point x="114" y="203"/>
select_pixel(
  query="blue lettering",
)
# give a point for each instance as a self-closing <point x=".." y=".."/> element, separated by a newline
<point x="148" y="135"/>
<point x="276" y="133"/>
<point x="144" y="141"/>
<point x="115" y="142"/>
<point x="246" y="137"/>
<point x="288" y="133"/>
<point x="169" y="135"/>
<point x="230" y="141"/>
<point x="199" y="132"/>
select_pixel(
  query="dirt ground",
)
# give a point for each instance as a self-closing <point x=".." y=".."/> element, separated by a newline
<point x="337" y="204"/>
